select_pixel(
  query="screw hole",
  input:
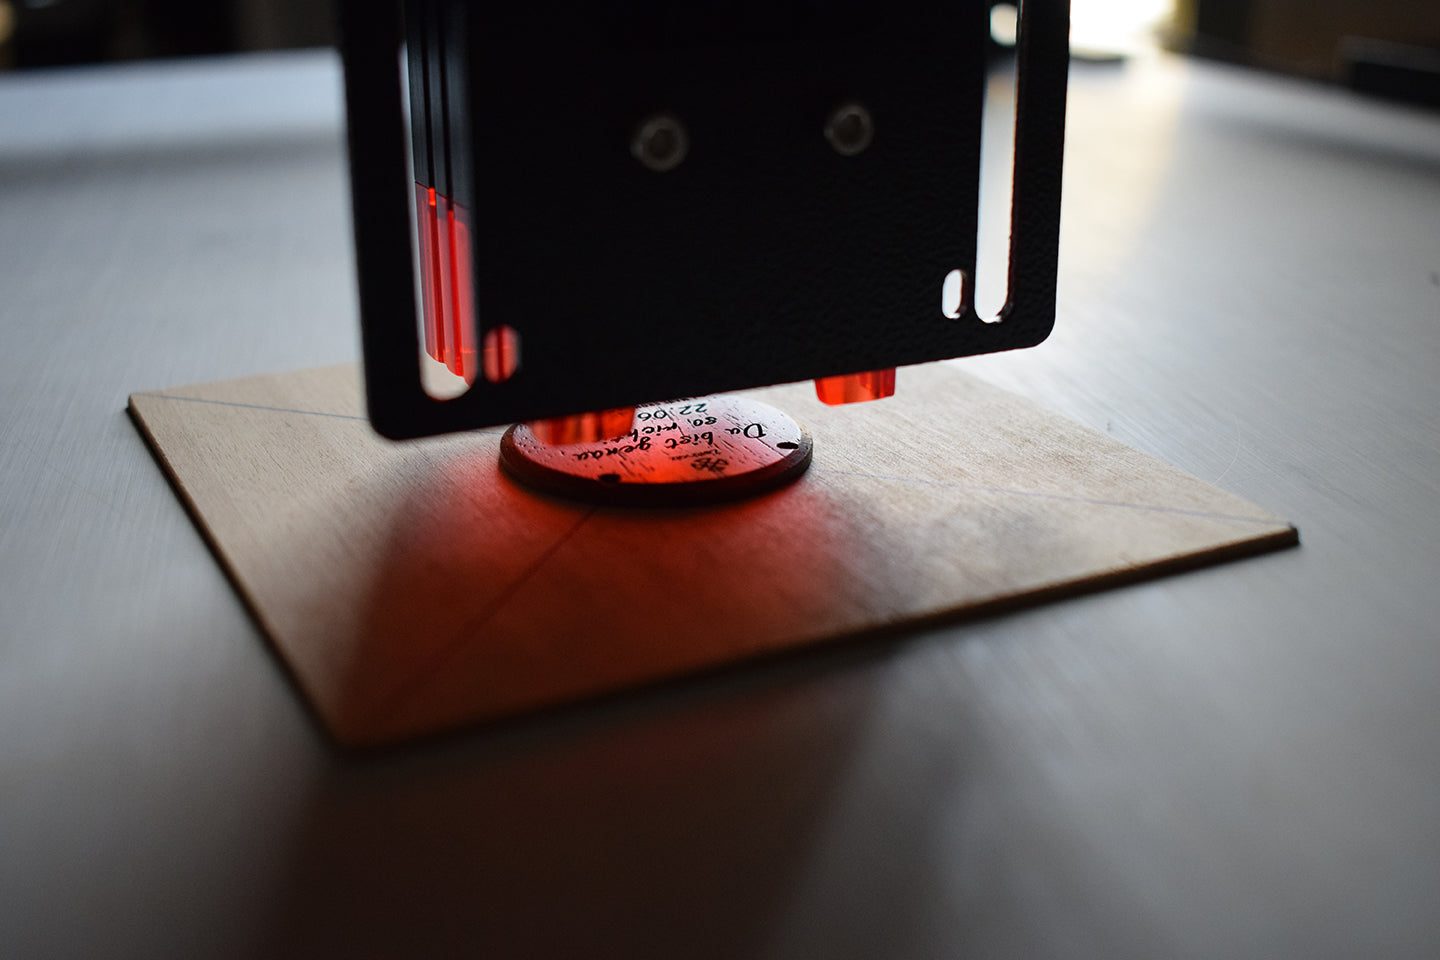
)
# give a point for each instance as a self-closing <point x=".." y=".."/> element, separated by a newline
<point x="660" y="143"/>
<point x="849" y="129"/>
<point x="788" y="445"/>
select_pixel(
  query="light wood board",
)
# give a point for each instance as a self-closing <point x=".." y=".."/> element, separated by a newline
<point x="413" y="588"/>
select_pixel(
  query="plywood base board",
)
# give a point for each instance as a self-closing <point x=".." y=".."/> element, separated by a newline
<point x="413" y="588"/>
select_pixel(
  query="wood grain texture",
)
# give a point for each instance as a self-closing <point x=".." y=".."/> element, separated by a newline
<point x="413" y="587"/>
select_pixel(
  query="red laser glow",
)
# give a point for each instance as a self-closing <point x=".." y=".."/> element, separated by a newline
<point x="584" y="427"/>
<point x="447" y="290"/>
<point x="856" y="387"/>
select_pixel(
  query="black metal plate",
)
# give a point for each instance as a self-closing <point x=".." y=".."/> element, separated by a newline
<point x="765" y="256"/>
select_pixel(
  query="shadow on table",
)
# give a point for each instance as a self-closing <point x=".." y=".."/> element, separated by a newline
<point x="674" y="824"/>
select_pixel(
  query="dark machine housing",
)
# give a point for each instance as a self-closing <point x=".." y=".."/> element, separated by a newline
<point x="662" y="199"/>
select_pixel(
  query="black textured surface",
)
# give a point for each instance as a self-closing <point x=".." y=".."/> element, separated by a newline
<point x="765" y="257"/>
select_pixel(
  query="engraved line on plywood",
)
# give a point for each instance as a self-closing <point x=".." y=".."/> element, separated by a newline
<point x="410" y="684"/>
<point x="253" y="406"/>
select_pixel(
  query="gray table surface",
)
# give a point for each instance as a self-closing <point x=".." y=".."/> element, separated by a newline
<point x="1238" y="762"/>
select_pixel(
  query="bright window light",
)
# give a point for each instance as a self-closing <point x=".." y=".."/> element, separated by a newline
<point x="1116" y="25"/>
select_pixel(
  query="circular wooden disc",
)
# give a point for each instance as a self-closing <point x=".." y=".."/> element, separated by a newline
<point x="686" y="452"/>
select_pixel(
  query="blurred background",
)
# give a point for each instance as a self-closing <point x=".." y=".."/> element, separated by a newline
<point x="43" y="33"/>
<point x="1388" y="48"/>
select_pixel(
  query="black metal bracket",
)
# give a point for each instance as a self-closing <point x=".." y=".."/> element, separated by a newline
<point x="766" y="257"/>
